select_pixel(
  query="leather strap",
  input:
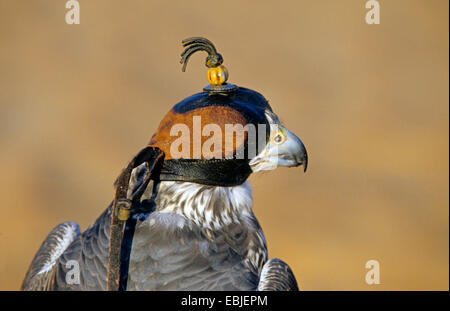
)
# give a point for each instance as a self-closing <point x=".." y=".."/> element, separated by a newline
<point x="153" y="157"/>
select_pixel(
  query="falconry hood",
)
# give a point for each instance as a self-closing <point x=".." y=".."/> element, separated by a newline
<point x="210" y="137"/>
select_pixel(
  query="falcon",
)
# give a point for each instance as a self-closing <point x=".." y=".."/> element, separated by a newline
<point x="182" y="218"/>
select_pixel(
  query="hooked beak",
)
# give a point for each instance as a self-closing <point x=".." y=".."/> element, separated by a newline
<point x="292" y="152"/>
<point x="289" y="152"/>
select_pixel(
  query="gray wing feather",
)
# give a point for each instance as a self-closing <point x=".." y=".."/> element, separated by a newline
<point x="90" y="250"/>
<point x="277" y="276"/>
<point x="40" y="275"/>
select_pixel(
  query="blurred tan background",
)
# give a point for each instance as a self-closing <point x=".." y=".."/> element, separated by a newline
<point x="370" y="102"/>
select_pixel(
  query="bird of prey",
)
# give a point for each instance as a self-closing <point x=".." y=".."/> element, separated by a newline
<point x="191" y="225"/>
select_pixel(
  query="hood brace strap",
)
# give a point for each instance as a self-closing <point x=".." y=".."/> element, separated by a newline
<point x="153" y="158"/>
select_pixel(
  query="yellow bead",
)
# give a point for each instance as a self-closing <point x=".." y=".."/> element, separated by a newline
<point x="217" y="75"/>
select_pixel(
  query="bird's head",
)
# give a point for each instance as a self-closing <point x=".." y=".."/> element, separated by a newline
<point x="223" y="134"/>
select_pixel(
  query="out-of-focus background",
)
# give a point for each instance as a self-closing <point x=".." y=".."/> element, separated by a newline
<point x="370" y="102"/>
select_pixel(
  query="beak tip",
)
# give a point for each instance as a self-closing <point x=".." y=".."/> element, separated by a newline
<point x="305" y="161"/>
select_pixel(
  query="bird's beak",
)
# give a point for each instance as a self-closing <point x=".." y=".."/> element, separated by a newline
<point x="292" y="152"/>
<point x="287" y="152"/>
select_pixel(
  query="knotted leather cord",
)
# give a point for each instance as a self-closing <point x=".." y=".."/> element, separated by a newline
<point x="195" y="44"/>
<point x="153" y="157"/>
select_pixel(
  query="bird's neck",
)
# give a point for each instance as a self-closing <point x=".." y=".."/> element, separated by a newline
<point x="210" y="207"/>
